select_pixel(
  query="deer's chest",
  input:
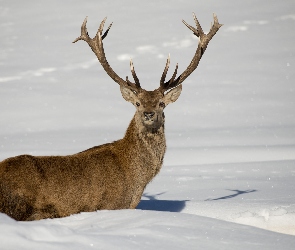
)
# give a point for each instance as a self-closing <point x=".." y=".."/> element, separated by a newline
<point x="152" y="153"/>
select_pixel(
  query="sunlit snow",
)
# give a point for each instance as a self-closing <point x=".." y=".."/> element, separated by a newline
<point x="228" y="178"/>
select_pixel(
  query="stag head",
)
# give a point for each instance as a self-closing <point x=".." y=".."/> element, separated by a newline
<point x="150" y="104"/>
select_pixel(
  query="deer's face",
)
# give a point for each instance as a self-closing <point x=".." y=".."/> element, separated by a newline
<point x="150" y="105"/>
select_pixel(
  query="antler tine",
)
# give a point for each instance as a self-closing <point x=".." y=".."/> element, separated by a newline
<point x="84" y="34"/>
<point x="100" y="29"/>
<point x="193" y="29"/>
<point x="137" y="83"/>
<point x="162" y="81"/>
<point x="215" y="27"/>
<point x="174" y="74"/>
<point x="132" y="86"/>
<point x="199" y="28"/>
<point x="203" y="43"/>
<point x="106" y="32"/>
<point x="170" y="83"/>
<point x="197" y="31"/>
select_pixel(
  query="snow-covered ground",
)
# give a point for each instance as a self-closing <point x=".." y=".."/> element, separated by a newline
<point x="228" y="178"/>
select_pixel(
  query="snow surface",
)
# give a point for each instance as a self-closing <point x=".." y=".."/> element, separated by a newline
<point x="228" y="178"/>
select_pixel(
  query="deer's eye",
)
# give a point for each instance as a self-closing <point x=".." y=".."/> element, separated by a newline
<point x="162" y="104"/>
<point x="137" y="104"/>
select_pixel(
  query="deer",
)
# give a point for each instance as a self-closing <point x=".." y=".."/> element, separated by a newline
<point x="106" y="177"/>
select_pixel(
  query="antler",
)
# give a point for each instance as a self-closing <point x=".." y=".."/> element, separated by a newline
<point x="204" y="39"/>
<point x="97" y="47"/>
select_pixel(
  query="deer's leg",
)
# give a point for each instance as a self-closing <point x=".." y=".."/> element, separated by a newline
<point x="47" y="211"/>
<point x="38" y="216"/>
<point x="136" y="198"/>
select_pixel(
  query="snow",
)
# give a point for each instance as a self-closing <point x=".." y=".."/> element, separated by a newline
<point x="228" y="178"/>
<point x="138" y="229"/>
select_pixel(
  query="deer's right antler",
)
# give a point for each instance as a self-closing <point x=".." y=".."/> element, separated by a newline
<point x="97" y="47"/>
<point x="203" y="43"/>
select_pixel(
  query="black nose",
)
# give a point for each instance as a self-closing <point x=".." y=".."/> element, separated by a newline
<point x="149" y="115"/>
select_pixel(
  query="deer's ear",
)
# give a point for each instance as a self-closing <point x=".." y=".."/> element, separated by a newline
<point x="172" y="95"/>
<point x="128" y="94"/>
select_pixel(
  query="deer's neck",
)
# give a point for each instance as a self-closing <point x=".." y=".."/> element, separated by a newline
<point x="146" y="148"/>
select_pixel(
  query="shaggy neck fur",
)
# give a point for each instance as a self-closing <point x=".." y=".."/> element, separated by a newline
<point x="147" y="148"/>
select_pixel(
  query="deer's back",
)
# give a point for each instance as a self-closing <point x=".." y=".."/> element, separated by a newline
<point x="62" y="185"/>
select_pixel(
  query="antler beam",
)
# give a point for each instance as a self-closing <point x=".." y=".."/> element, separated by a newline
<point x="97" y="47"/>
<point x="203" y="43"/>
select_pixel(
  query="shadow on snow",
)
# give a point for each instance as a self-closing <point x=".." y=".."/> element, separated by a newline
<point x="238" y="192"/>
<point x="178" y="205"/>
<point x="160" y="205"/>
